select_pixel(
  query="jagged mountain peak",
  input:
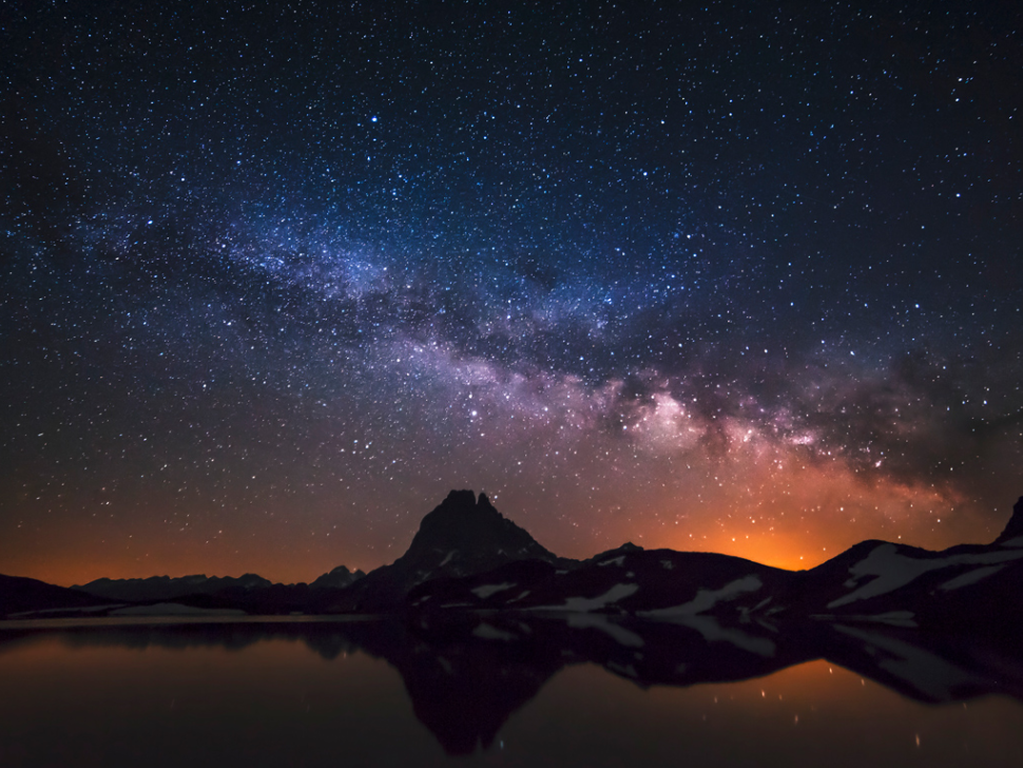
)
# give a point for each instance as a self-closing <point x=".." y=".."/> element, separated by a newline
<point x="466" y="526"/>
<point x="337" y="578"/>
<point x="463" y="535"/>
<point x="461" y="505"/>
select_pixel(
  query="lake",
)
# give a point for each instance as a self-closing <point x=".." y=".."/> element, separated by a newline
<point x="277" y="692"/>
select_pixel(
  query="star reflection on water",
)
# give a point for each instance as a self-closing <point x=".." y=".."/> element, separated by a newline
<point x="503" y="688"/>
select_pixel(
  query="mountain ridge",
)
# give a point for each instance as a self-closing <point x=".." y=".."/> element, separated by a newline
<point x="466" y="556"/>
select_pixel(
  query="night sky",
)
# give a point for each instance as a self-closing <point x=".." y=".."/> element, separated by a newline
<point x="274" y="277"/>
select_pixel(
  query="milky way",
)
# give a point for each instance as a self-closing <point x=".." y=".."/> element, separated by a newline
<point x="275" y="279"/>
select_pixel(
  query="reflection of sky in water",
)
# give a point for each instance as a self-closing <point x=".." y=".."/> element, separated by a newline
<point x="812" y="714"/>
<point x="276" y="702"/>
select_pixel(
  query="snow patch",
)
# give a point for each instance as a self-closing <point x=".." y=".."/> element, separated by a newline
<point x="707" y="598"/>
<point x="892" y="570"/>
<point x="42" y="612"/>
<point x="605" y="625"/>
<point x="584" y="604"/>
<point x="490" y="632"/>
<point x="175" y="609"/>
<point x="972" y="577"/>
<point x="667" y="565"/>
<point x="763" y="603"/>
<point x="447" y="559"/>
<point x="891" y="618"/>
<point x="1017" y="542"/>
<point x="623" y="669"/>
<point x="894" y="618"/>
<point x="491" y="589"/>
<point x="619" y="561"/>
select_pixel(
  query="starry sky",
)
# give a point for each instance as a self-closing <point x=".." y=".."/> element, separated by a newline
<point x="274" y="277"/>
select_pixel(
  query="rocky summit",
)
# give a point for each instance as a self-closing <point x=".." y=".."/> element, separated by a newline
<point x="463" y="536"/>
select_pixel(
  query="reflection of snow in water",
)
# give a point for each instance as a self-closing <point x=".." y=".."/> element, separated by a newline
<point x="605" y="625"/>
<point x="930" y="674"/>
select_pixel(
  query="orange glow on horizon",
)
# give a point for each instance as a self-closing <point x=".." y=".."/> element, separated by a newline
<point x="776" y="508"/>
<point x="761" y="501"/>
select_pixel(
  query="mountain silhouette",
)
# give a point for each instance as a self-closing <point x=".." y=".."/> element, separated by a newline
<point x="478" y="616"/>
<point x="338" y="578"/>
<point x="1013" y="532"/>
<point x="462" y="536"/>
<point x="167" y="588"/>
<point x="466" y="556"/>
<point x="874" y="582"/>
<point x="19" y="594"/>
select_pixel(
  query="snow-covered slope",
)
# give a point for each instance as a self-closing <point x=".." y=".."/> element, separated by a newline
<point x="874" y="581"/>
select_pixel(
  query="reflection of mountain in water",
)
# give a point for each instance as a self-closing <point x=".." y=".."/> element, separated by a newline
<point x="467" y="557"/>
<point x="481" y="616"/>
<point x="467" y="674"/>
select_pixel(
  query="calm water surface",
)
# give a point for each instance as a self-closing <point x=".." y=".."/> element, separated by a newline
<point x="230" y="695"/>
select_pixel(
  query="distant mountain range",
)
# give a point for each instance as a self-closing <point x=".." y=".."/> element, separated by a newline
<point x="166" y="588"/>
<point x="467" y="557"/>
